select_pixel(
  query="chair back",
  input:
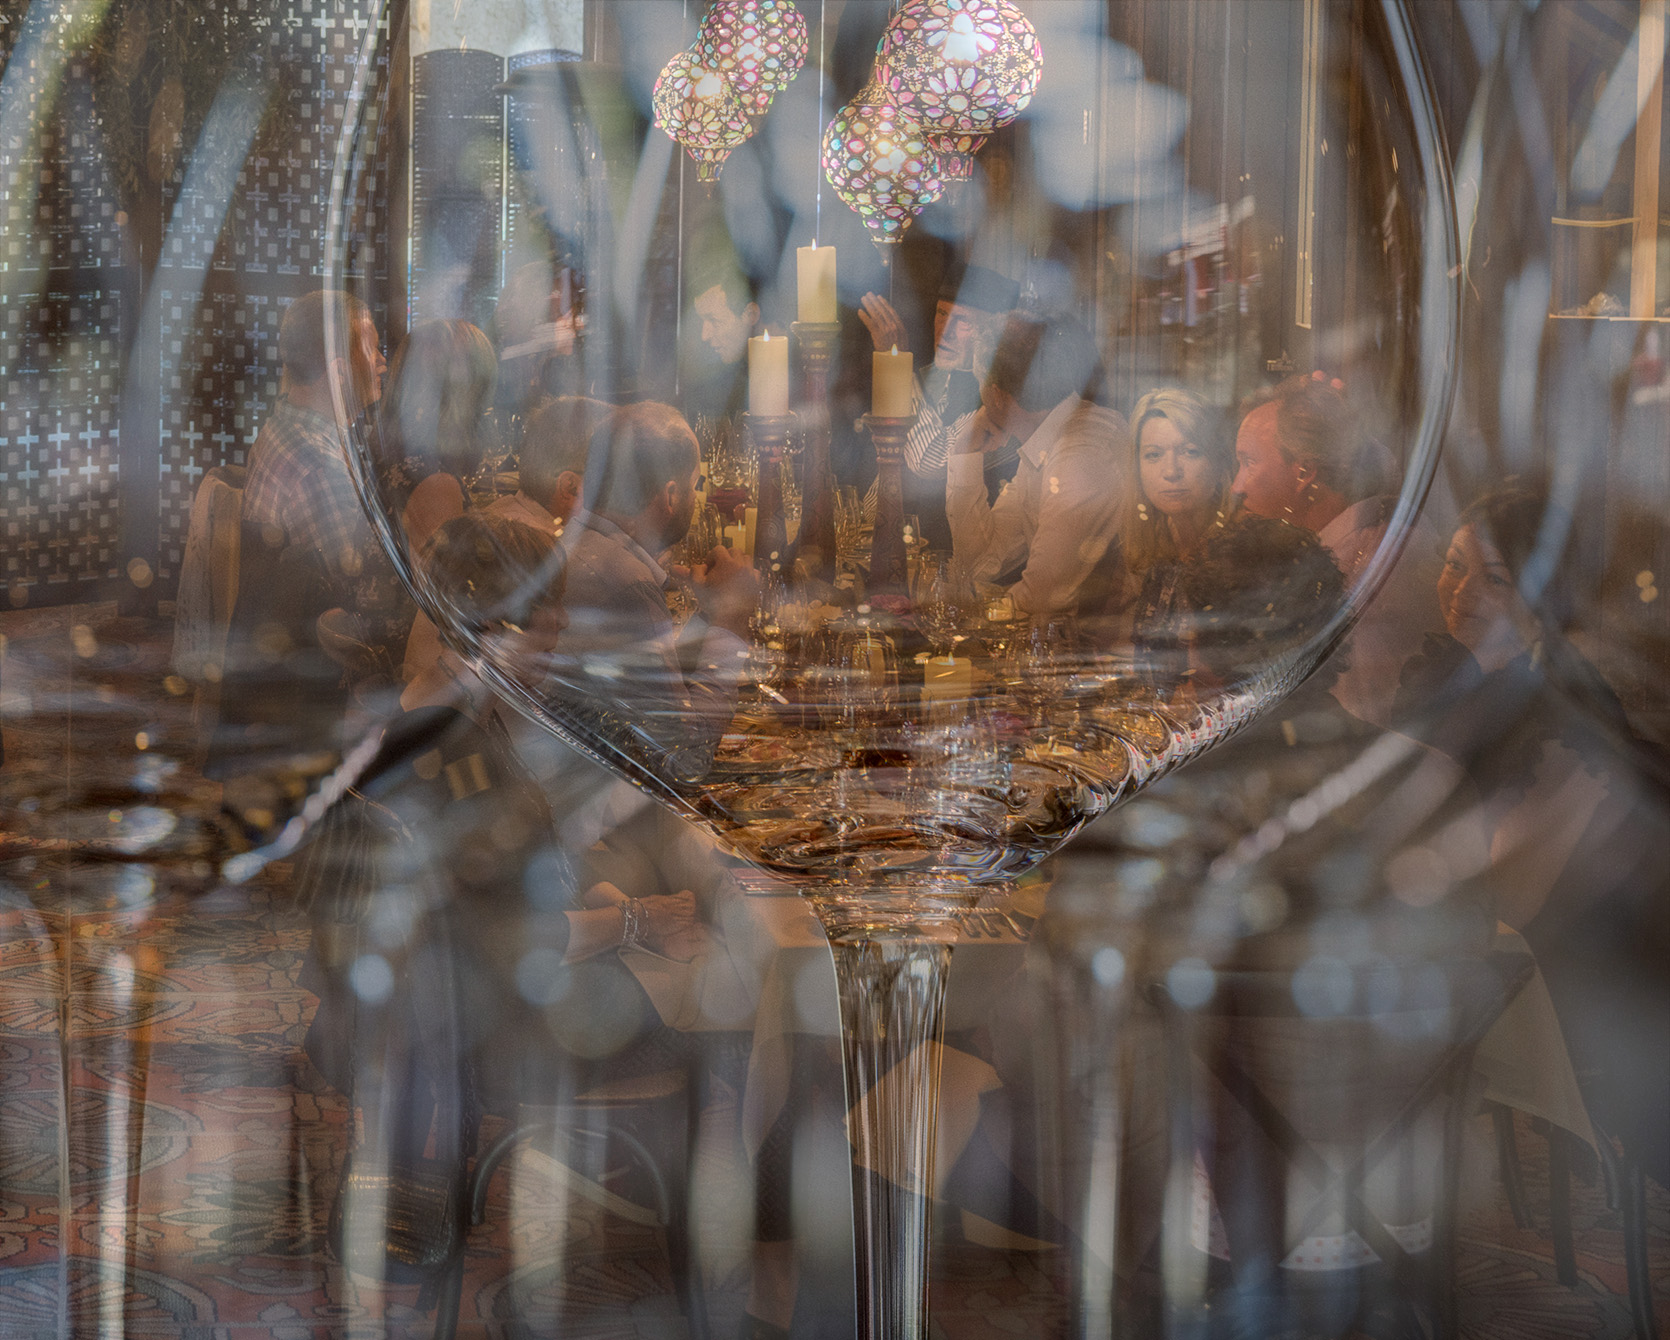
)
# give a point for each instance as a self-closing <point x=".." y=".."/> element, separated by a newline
<point x="208" y="592"/>
<point x="209" y="576"/>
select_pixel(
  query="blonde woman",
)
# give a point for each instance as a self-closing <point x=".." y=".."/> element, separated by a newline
<point x="1185" y="463"/>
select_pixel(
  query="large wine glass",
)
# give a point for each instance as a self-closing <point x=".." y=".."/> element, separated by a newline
<point x="1222" y="197"/>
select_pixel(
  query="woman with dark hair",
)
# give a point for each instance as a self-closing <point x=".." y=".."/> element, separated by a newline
<point x="432" y="428"/>
<point x="1184" y="465"/>
<point x="1580" y="811"/>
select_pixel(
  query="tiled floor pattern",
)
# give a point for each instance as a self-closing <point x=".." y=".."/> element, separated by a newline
<point x="187" y="1190"/>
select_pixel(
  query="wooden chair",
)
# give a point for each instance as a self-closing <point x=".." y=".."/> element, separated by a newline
<point x="1478" y="989"/>
<point x="1626" y="1191"/>
<point x="1625" y="1179"/>
<point x="631" y="1119"/>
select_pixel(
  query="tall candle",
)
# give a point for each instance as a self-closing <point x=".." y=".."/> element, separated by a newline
<point x="816" y="272"/>
<point x="768" y="376"/>
<point x="948" y="677"/>
<point x="891" y="384"/>
<point x="750" y="525"/>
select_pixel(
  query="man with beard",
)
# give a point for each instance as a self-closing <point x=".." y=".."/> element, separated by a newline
<point x="622" y="650"/>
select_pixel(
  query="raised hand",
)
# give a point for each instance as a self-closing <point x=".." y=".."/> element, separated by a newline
<point x="882" y="320"/>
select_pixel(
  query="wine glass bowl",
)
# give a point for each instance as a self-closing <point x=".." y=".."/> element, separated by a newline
<point x="897" y="791"/>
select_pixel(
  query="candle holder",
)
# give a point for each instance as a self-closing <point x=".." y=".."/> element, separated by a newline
<point x="887" y="544"/>
<point x="818" y="341"/>
<point x="770" y="435"/>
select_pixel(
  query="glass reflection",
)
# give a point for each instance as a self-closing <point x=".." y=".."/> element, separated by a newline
<point x="458" y="439"/>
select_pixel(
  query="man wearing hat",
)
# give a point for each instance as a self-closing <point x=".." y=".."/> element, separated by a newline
<point x="972" y="305"/>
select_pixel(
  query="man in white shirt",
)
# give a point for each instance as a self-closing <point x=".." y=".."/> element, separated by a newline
<point x="1052" y="536"/>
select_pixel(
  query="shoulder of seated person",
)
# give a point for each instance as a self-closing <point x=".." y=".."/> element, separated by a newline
<point x="438" y="485"/>
<point x="1098" y="423"/>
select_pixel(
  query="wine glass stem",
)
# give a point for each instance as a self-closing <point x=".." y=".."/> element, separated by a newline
<point x="892" y="1018"/>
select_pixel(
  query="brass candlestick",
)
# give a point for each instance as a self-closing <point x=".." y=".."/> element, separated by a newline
<point x="770" y="435"/>
<point x="887" y="545"/>
<point x="818" y="340"/>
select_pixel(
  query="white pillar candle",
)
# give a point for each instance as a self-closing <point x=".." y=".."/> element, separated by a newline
<point x="768" y="376"/>
<point x="948" y="677"/>
<point x="816" y="273"/>
<point x="750" y="525"/>
<point x="734" y="537"/>
<point x="892" y="381"/>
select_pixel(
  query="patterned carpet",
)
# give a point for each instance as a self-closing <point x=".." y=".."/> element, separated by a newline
<point x="168" y="1157"/>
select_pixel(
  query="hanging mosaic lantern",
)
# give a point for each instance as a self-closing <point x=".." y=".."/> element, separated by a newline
<point x="757" y="45"/>
<point x="695" y="105"/>
<point x="962" y="68"/>
<point x="879" y="163"/>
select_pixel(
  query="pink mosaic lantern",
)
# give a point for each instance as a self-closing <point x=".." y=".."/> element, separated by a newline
<point x="757" y="45"/>
<point x="962" y="68"/>
<point x="879" y="163"/>
<point x="698" y="108"/>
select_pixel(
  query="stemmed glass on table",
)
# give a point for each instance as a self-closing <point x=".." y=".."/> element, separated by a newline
<point x="896" y="825"/>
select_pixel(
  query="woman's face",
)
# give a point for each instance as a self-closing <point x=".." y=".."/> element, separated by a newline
<point x="1480" y="601"/>
<point x="1176" y="474"/>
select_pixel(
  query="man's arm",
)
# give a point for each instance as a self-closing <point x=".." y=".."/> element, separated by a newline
<point x="987" y="538"/>
<point x="1081" y="509"/>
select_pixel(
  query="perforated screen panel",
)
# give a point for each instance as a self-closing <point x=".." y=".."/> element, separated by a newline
<point x="220" y="377"/>
<point x="119" y="388"/>
<point x="65" y="310"/>
<point x="457" y="184"/>
<point x="60" y="447"/>
<point x="56" y="201"/>
<point x="248" y="236"/>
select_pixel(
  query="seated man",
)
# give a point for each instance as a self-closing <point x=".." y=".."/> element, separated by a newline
<point x="1052" y="536"/>
<point x="1301" y="457"/>
<point x="298" y="471"/>
<point x="307" y="545"/>
<point x="726" y="306"/>
<point x="623" y="654"/>
<point x="554" y="446"/>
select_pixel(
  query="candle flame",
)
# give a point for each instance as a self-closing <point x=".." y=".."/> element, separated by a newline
<point x="766" y="334"/>
<point x="895" y="351"/>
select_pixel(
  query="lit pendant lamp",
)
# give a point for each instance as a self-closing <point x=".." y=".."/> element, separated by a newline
<point x="879" y="163"/>
<point x="962" y="69"/>
<point x="757" y="45"/>
<point x="695" y="105"/>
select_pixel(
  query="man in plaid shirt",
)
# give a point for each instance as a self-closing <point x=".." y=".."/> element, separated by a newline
<point x="298" y="472"/>
<point x="306" y="548"/>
